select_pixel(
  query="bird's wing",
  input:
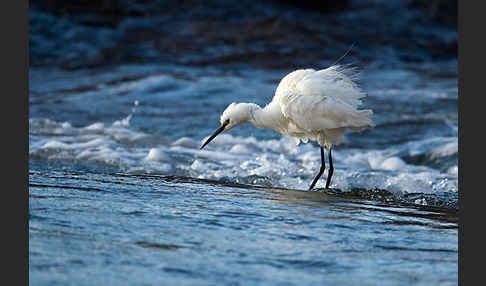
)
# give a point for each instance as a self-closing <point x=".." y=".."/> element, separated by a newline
<point x="323" y="99"/>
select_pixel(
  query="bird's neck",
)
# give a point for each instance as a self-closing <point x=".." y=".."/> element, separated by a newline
<point x="266" y="117"/>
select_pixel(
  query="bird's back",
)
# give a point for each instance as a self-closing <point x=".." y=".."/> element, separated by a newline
<point x="323" y="100"/>
<point x="287" y="88"/>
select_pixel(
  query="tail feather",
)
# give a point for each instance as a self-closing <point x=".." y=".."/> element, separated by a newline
<point x="362" y="120"/>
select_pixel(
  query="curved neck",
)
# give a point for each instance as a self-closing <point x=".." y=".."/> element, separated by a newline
<point x="267" y="117"/>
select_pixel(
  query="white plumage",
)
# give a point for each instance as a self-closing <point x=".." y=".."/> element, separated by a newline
<point x="308" y="104"/>
<point x="322" y="104"/>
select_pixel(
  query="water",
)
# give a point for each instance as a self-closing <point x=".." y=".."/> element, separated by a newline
<point x="144" y="119"/>
<point x="96" y="226"/>
<point x="121" y="194"/>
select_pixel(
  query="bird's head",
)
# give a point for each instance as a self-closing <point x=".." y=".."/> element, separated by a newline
<point x="235" y="114"/>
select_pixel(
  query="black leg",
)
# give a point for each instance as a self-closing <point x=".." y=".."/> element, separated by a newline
<point x="323" y="166"/>
<point x="331" y="168"/>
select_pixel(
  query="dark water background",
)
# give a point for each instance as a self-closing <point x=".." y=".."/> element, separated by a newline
<point x="122" y="93"/>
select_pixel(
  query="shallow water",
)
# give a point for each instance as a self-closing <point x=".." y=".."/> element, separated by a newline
<point x="152" y="119"/>
<point x="98" y="226"/>
<point x="119" y="192"/>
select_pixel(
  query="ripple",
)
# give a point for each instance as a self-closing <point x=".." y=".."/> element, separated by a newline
<point x="399" y="248"/>
<point x="161" y="246"/>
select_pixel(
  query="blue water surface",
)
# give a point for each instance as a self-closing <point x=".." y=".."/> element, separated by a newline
<point x="92" y="227"/>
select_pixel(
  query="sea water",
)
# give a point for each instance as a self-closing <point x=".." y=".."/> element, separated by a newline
<point x="120" y="193"/>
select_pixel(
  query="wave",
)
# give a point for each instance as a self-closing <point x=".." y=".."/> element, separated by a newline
<point x="422" y="166"/>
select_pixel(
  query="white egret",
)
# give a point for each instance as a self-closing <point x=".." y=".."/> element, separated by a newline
<point x="307" y="105"/>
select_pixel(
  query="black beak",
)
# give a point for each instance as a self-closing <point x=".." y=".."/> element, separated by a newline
<point x="220" y="129"/>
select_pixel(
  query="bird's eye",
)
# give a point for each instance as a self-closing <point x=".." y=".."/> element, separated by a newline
<point x="226" y="122"/>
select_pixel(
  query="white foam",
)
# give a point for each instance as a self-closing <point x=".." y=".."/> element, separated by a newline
<point x="156" y="154"/>
<point x="125" y="122"/>
<point x="44" y="125"/>
<point x="241" y="149"/>
<point x="283" y="163"/>
<point x="224" y="140"/>
<point x="421" y="201"/>
<point x="56" y="145"/>
<point x="186" y="142"/>
<point x="95" y="126"/>
<point x="445" y="150"/>
<point x="391" y="163"/>
<point x="454" y="170"/>
<point x="96" y="142"/>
